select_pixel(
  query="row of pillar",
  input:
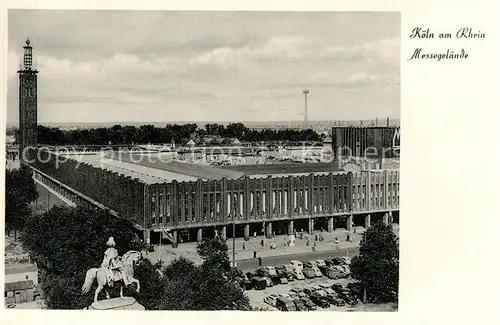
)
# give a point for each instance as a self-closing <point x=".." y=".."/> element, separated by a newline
<point x="387" y="218"/>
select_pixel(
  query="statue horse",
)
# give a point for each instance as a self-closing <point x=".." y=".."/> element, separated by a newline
<point x="128" y="261"/>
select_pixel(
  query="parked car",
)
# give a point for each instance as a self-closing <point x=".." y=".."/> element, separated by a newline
<point x="345" y="260"/>
<point x="309" y="304"/>
<point x="346" y="295"/>
<point x="317" y="272"/>
<point x="336" y="301"/>
<point x="329" y="262"/>
<point x="280" y="268"/>
<point x="285" y="295"/>
<point x="290" y="273"/>
<point x="284" y="274"/>
<point x="283" y="280"/>
<point x="250" y="275"/>
<point x="246" y="284"/>
<point x="356" y="289"/>
<point x="271" y="299"/>
<point x="335" y="274"/>
<point x="269" y="282"/>
<point x="298" y="275"/>
<point x="293" y="295"/>
<point x="337" y="267"/>
<point x="309" y="264"/>
<point x="309" y="273"/>
<point x="321" y="293"/>
<point x="259" y="283"/>
<point x="299" y="305"/>
<point x="309" y="290"/>
<point x="320" y="263"/>
<point x="264" y="272"/>
<point x="324" y="269"/>
<point x="316" y="287"/>
<point x="271" y="271"/>
<point x="337" y="287"/>
<point x="281" y="273"/>
<point x="303" y="295"/>
<point x="285" y="304"/>
<point x="337" y="261"/>
<point x="320" y="301"/>
<point x="296" y="290"/>
<point x="261" y="272"/>
<point x="346" y="269"/>
<point x="331" y="299"/>
<point x="297" y="265"/>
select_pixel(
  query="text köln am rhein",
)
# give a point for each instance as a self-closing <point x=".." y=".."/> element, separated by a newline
<point x="462" y="33"/>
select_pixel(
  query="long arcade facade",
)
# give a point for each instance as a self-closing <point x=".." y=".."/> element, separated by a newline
<point x="173" y="206"/>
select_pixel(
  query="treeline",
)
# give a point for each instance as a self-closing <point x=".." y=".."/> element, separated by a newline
<point x="20" y="191"/>
<point x="149" y="134"/>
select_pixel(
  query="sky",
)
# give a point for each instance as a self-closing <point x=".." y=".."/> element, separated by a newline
<point x="144" y="66"/>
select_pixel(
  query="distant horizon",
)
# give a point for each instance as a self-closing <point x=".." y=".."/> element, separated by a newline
<point x="294" y="123"/>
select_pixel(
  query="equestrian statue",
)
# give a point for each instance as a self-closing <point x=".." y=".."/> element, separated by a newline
<point x="113" y="269"/>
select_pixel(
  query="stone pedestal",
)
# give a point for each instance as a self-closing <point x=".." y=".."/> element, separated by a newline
<point x="125" y="303"/>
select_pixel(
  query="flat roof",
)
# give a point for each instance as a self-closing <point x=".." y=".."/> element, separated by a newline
<point x="286" y="168"/>
<point x="161" y="168"/>
<point x="145" y="174"/>
<point x="188" y="170"/>
<point x="20" y="268"/>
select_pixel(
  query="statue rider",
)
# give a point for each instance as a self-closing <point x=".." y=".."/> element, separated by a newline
<point x="112" y="261"/>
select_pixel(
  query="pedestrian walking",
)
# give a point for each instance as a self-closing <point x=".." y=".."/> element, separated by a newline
<point x="260" y="261"/>
<point x="262" y="242"/>
<point x="254" y="253"/>
<point x="243" y="245"/>
<point x="254" y="235"/>
<point x="348" y="237"/>
<point x="336" y="242"/>
<point x="354" y="228"/>
<point x="316" y="238"/>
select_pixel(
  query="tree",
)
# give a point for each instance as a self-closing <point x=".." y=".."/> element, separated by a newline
<point x="66" y="242"/>
<point x="377" y="265"/>
<point x="209" y="286"/>
<point x="20" y="191"/>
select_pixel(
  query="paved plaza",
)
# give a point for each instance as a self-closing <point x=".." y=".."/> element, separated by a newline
<point x="188" y="250"/>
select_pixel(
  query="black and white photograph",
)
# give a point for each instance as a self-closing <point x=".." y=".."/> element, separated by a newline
<point x="202" y="160"/>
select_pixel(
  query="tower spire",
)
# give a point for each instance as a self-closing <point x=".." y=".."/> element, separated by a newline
<point x="28" y="55"/>
<point x="28" y="110"/>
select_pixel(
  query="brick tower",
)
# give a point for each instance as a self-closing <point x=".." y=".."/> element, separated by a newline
<point x="28" y="120"/>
